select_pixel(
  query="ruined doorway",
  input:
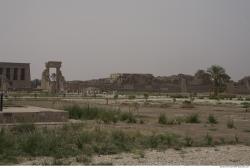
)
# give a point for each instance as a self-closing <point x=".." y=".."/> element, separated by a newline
<point x="52" y="78"/>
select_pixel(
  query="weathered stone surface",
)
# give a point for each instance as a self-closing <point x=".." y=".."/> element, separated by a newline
<point x="32" y="115"/>
<point x="53" y="83"/>
<point x="198" y="83"/>
<point x="14" y="76"/>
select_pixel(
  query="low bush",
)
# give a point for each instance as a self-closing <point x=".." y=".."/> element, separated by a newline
<point x="248" y="99"/>
<point x="94" y="113"/>
<point x="162" y="141"/>
<point x="214" y="97"/>
<point x="167" y="121"/>
<point x="162" y="119"/>
<point x="25" y="127"/>
<point x="209" y="140"/>
<point x="212" y="119"/>
<point x="128" y="117"/>
<point x="227" y="96"/>
<point x="178" y="96"/>
<point x="245" y="105"/>
<point x="240" y="99"/>
<point x="131" y="97"/>
<point x="193" y="118"/>
<point x="71" y="141"/>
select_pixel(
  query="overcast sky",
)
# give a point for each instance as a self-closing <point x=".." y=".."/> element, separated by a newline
<point x="94" y="38"/>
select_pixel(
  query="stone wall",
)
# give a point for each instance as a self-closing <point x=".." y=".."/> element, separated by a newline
<point x="15" y="76"/>
<point x="180" y="83"/>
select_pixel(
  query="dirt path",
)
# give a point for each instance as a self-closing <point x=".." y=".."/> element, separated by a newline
<point x="222" y="155"/>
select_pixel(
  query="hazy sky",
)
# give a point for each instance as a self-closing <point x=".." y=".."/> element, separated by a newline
<point x="94" y="38"/>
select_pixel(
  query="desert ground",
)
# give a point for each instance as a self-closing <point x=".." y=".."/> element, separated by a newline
<point x="179" y="131"/>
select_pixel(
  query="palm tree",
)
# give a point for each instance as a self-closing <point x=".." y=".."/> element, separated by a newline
<point x="219" y="78"/>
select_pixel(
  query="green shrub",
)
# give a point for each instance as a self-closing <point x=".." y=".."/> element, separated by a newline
<point x="128" y="117"/>
<point x="166" y="121"/>
<point x="116" y="96"/>
<point x="208" y="140"/>
<point x="131" y="97"/>
<point x="246" y="105"/>
<point x="162" y="141"/>
<point x="214" y="97"/>
<point x="6" y="142"/>
<point x="247" y="99"/>
<point x="105" y="115"/>
<point x="212" y="119"/>
<point x="178" y="96"/>
<point x="162" y="119"/>
<point x="26" y="127"/>
<point x="240" y="99"/>
<point x="74" y="141"/>
<point x="228" y="96"/>
<point x="193" y="118"/>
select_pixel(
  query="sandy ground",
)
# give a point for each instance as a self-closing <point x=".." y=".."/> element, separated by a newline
<point x="195" y="156"/>
<point x="221" y="155"/>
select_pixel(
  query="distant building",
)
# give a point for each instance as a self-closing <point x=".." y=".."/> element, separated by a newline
<point x="14" y="76"/>
<point x="180" y="83"/>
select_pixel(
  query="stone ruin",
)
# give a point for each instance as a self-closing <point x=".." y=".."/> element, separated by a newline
<point x="14" y="76"/>
<point x="181" y="83"/>
<point x="53" y="83"/>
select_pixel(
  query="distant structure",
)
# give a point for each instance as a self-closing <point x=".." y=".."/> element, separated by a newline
<point x="53" y="83"/>
<point x="181" y="83"/>
<point x="14" y="76"/>
<point x="240" y="87"/>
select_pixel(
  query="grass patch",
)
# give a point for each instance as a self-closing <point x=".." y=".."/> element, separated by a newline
<point x="25" y="127"/>
<point x="128" y="117"/>
<point x="246" y="106"/>
<point x="167" y="121"/>
<point x="193" y="118"/>
<point x="209" y="140"/>
<point x="76" y="142"/>
<point x="212" y="119"/>
<point x="95" y="113"/>
<point x="162" y="119"/>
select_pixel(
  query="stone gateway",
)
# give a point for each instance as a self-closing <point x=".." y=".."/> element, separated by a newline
<point x="53" y="83"/>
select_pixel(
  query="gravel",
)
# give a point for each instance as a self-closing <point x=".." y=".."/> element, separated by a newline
<point x="222" y="155"/>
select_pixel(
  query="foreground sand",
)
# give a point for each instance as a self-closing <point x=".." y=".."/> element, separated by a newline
<point x="221" y="155"/>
